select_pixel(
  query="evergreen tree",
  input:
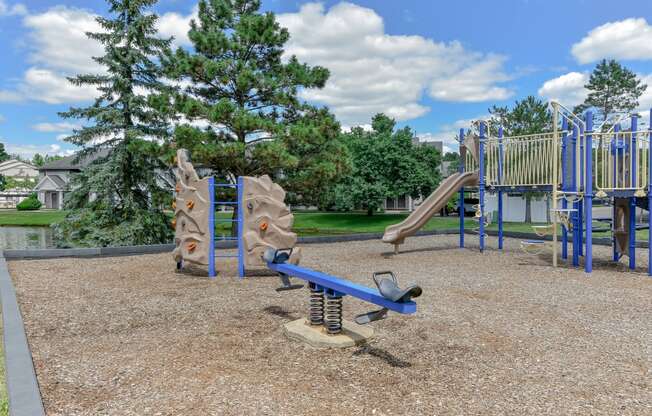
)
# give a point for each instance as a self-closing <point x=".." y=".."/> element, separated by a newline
<point x="4" y="156"/>
<point x="116" y="200"/>
<point x="612" y="89"/>
<point x="243" y="100"/>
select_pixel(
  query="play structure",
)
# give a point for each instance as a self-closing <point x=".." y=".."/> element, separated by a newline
<point x="575" y="163"/>
<point x="265" y="242"/>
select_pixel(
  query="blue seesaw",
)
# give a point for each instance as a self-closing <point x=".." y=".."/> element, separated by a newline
<point x="327" y="291"/>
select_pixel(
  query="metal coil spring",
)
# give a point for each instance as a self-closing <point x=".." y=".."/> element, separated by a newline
<point x="316" y="306"/>
<point x="333" y="314"/>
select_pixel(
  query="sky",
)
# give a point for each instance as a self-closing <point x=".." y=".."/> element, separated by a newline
<point x="432" y="65"/>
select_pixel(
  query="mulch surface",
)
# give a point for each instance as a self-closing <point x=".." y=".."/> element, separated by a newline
<point x="495" y="333"/>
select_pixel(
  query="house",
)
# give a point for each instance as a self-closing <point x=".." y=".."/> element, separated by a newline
<point x="55" y="177"/>
<point x="19" y="170"/>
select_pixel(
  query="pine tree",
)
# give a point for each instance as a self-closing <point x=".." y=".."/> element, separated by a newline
<point x="244" y="97"/>
<point x="612" y="89"/>
<point x="116" y="200"/>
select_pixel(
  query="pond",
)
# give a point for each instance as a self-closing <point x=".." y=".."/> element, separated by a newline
<point x="25" y="237"/>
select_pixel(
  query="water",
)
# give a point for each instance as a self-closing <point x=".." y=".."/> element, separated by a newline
<point x="25" y="237"/>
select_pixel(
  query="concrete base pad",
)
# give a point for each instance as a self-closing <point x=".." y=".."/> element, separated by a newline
<point x="352" y="334"/>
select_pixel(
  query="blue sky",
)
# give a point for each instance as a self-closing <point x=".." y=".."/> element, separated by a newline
<point x="433" y="65"/>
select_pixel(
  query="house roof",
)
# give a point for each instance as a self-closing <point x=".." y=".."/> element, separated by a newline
<point x="12" y="162"/>
<point x="51" y="183"/>
<point x="57" y="179"/>
<point x="71" y="162"/>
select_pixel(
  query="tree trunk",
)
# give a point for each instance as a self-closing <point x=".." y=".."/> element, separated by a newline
<point x="528" y="208"/>
<point x="370" y="211"/>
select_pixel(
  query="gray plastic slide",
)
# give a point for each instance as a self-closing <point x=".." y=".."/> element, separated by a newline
<point x="395" y="234"/>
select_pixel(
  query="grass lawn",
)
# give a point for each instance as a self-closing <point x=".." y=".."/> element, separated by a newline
<point x="329" y="223"/>
<point x="30" y="218"/>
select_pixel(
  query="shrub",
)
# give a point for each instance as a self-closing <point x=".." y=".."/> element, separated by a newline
<point x="29" y="204"/>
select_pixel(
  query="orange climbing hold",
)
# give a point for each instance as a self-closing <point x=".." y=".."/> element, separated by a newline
<point x="192" y="247"/>
<point x="190" y="204"/>
<point x="174" y="223"/>
<point x="178" y="188"/>
<point x="263" y="226"/>
<point x="174" y="204"/>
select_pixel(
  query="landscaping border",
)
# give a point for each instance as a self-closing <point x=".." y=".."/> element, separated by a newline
<point x="22" y="386"/>
<point x="49" y="253"/>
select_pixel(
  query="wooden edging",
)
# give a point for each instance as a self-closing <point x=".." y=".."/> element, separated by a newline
<point x="22" y="386"/>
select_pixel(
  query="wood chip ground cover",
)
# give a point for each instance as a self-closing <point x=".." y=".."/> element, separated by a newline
<point x="495" y="333"/>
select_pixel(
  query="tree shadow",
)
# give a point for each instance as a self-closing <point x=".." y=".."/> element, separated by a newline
<point x="280" y="312"/>
<point x="383" y="355"/>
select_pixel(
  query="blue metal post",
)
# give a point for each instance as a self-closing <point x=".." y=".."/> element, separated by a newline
<point x="633" y="149"/>
<point x="240" y="224"/>
<point x="500" y="192"/>
<point x="564" y="185"/>
<point x="461" y="201"/>
<point x="588" y="193"/>
<point x="211" y="228"/>
<point x="614" y="150"/>
<point x="577" y="230"/>
<point x="580" y="210"/>
<point x="481" y="183"/>
<point x="649" y="199"/>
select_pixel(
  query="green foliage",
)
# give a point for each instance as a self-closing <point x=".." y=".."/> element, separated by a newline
<point x="117" y="199"/>
<point x="3" y="182"/>
<point x="247" y="97"/>
<point x="612" y="89"/>
<point x="528" y="116"/>
<point x="385" y="163"/>
<point x="4" y="156"/>
<point x="39" y="160"/>
<point x="30" y="203"/>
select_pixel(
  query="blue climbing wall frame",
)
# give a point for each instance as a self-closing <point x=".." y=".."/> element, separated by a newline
<point x="213" y="221"/>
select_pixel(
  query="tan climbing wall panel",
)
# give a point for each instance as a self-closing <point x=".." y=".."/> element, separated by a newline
<point x="267" y="221"/>
<point x="191" y="211"/>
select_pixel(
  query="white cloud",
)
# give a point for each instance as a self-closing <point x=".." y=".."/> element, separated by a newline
<point x="176" y="25"/>
<point x="29" y="150"/>
<point x="372" y="71"/>
<point x="17" y="9"/>
<point x="56" y="127"/>
<point x="567" y="89"/>
<point x="2" y="118"/>
<point x="59" y="40"/>
<point x="447" y="133"/>
<point x="645" y="102"/>
<point x="10" y="96"/>
<point x="59" y="48"/>
<point x="53" y="88"/>
<point x="624" y="39"/>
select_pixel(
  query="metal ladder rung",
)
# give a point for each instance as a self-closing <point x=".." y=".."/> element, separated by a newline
<point x="226" y="185"/>
<point x="225" y="220"/>
<point x="225" y="203"/>
<point x="227" y="255"/>
<point x="225" y="238"/>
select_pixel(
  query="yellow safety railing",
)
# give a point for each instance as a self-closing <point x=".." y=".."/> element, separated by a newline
<point x="621" y="160"/>
<point x="526" y="160"/>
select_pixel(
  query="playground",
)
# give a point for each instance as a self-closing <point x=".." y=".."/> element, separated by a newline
<point x="499" y="332"/>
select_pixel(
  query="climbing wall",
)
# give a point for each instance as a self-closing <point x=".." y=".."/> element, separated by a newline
<point x="267" y="221"/>
<point x="191" y="213"/>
